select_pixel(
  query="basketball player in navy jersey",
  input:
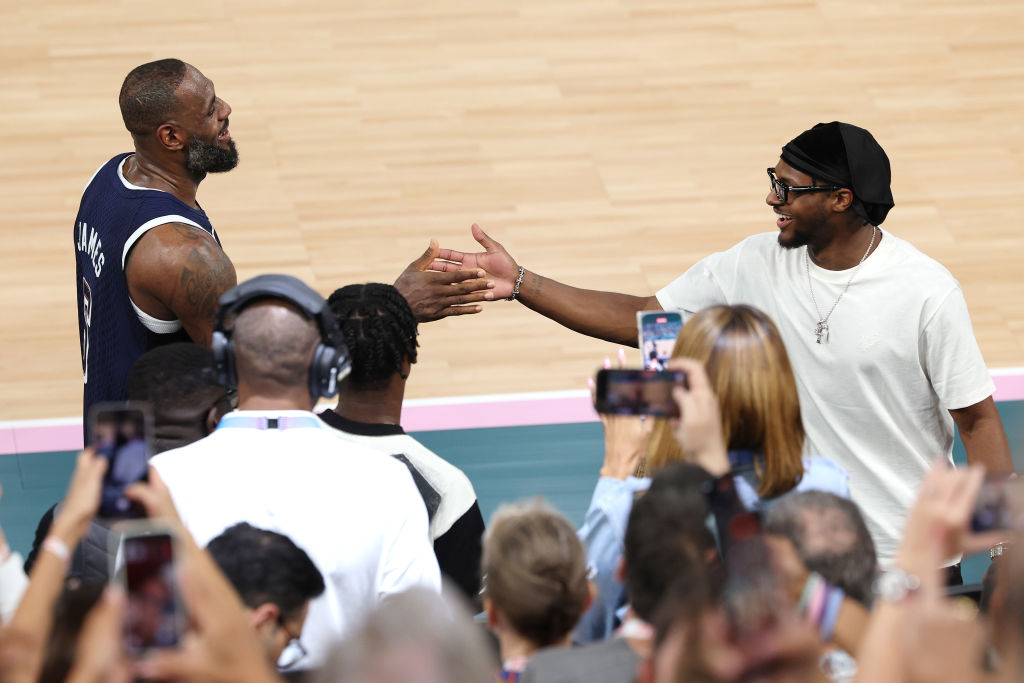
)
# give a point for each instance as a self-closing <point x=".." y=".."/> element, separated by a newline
<point x="150" y="267"/>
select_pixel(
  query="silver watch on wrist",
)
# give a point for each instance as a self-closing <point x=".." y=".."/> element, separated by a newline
<point x="895" y="585"/>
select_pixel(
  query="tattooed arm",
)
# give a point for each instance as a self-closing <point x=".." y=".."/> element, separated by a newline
<point x="176" y="271"/>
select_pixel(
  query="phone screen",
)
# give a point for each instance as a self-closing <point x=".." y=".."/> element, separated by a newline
<point x="999" y="506"/>
<point x="122" y="434"/>
<point x="638" y="392"/>
<point x="152" y="615"/>
<point x="658" y="332"/>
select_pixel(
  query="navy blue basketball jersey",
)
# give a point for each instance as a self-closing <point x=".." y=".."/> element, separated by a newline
<point x="113" y="331"/>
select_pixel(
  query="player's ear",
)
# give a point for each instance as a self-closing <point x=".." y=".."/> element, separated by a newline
<point x="171" y="137"/>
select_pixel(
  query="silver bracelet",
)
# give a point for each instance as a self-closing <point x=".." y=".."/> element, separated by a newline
<point x="519" y="281"/>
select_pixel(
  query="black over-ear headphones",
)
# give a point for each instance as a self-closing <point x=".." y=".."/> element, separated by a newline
<point x="331" y="361"/>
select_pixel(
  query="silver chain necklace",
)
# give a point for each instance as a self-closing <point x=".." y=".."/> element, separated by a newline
<point x="821" y="329"/>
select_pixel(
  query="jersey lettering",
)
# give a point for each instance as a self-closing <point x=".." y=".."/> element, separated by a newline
<point x="89" y="243"/>
<point x="110" y="332"/>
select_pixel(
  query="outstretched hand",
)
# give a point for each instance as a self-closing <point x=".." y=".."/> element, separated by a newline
<point x="440" y="292"/>
<point x="497" y="262"/>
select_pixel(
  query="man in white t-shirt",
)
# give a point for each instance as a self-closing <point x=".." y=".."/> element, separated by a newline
<point x="274" y="464"/>
<point x="878" y="333"/>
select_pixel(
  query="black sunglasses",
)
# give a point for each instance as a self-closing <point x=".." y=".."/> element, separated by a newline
<point x="782" y="190"/>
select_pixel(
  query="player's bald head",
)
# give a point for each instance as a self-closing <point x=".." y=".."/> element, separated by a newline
<point x="274" y="344"/>
<point x="148" y="96"/>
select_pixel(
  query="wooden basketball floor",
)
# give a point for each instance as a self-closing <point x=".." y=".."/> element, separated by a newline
<point x="609" y="143"/>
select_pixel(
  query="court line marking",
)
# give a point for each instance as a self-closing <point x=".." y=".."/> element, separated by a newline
<point x="425" y="414"/>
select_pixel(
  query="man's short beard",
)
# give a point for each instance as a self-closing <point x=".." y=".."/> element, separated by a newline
<point x="800" y="241"/>
<point x="204" y="158"/>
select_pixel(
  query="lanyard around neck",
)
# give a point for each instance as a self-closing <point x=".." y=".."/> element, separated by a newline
<point x="263" y="422"/>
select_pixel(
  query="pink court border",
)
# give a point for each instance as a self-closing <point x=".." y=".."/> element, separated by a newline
<point x="422" y="415"/>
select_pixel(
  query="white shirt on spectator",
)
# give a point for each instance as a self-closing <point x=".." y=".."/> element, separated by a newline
<point x="875" y="397"/>
<point x="13" y="584"/>
<point x="358" y="516"/>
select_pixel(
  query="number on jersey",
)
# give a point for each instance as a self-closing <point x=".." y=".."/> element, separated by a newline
<point x="86" y="322"/>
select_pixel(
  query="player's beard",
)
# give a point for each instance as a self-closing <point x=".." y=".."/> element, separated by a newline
<point x="204" y="158"/>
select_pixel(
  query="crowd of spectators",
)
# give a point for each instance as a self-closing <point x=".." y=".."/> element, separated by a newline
<point x="312" y="547"/>
<point x="785" y="527"/>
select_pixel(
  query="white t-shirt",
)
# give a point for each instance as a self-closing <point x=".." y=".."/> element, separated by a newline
<point x="875" y="397"/>
<point x="357" y="515"/>
<point x="456" y="491"/>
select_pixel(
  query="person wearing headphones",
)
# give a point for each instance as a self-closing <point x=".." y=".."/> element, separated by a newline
<point x="274" y="464"/>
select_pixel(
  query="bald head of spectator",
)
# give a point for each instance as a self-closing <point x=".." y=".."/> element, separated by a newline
<point x="274" y="343"/>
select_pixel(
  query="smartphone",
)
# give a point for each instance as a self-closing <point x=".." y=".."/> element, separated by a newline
<point x="658" y="331"/>
<point x="999" y="506"/>
<point x="123" y="434"/>
<point x="144" y="564"/>
<point x="638" y="392"/>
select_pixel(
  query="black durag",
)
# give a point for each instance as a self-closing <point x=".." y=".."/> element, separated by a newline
<point x="845" y="155"/>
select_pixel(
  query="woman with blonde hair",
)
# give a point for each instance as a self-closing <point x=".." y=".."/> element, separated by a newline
<point x="535" y="582"/>
<point x="746" y="361"/>
<point x="749" y="371"/>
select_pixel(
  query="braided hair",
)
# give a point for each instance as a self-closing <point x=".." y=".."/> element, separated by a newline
<point x="380" y="331"/>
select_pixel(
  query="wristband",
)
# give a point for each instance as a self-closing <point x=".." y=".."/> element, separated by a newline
<point x="809" y="588"/>
<point x="57" y="547"/>
<point x="816" y="608"/>
<point x="831" y="615"/>
<point x="519" y="281"/>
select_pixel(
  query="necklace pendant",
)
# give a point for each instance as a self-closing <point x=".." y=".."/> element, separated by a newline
<point x="821" y="330"/>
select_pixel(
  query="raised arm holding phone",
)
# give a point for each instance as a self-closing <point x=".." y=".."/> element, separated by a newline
<point x="218" y="647"/>
<point x="23" y="640"/>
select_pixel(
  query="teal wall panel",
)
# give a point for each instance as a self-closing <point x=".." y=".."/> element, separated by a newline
<point x="558" y="462"/>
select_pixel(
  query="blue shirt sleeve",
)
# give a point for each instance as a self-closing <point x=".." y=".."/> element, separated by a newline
<point x="824" y="474"/>
<point x="603" y="534"/>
